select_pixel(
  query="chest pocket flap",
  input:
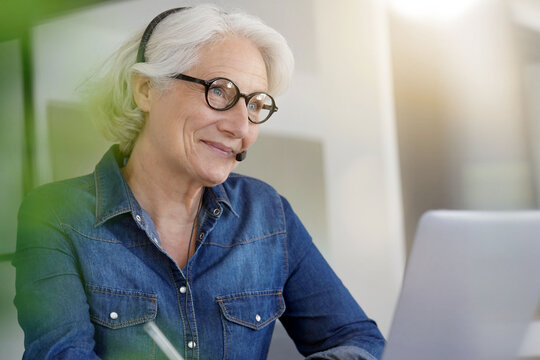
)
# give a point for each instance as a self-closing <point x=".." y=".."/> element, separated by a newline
<point x="254" y="309"/>
<point x="115" y="308"/>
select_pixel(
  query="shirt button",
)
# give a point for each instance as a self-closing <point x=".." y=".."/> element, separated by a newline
<point x="201" y="236"/>
<point x="113" y="315"/>
<point x="191" y="344"/>
<point x="258" y="318"/>
<point x="183" y="289"/>
<point x="138" y="218"/>
<point x="216" y="211"/>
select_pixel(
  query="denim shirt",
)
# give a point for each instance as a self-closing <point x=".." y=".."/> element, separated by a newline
<point x="91" y="272"/>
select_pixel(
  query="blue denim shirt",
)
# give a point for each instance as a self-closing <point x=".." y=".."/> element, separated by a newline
<point x="91" y="272"/>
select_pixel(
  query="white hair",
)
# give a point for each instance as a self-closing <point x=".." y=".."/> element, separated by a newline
<point x="173" y="48"/>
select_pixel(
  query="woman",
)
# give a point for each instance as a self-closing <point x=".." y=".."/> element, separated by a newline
<point x="163" y="231"/>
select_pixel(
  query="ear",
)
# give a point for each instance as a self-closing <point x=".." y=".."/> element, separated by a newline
<point x="140" y="86"/>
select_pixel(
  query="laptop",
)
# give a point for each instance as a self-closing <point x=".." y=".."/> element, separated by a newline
<point x="471" y="287"/>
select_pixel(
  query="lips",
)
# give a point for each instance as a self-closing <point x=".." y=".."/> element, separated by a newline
<point x="219" y="148"/>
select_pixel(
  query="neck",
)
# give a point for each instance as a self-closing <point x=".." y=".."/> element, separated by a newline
<point x="164" y="195"/>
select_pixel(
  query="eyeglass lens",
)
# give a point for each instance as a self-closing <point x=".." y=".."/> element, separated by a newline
<point x="223" y="94"/>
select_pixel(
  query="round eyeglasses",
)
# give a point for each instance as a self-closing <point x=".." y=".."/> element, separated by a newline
<point x="222" y="94"/>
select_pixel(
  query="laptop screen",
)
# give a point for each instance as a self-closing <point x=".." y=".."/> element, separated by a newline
<point x="471" y="287"/>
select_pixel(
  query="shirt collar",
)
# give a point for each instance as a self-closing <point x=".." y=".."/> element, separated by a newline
<point x="219" y="195"/>
<point x="113" y="196"/>
<point x="112" y="192"/>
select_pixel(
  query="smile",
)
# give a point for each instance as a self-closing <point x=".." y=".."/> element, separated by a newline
<point x="219" y="149"/>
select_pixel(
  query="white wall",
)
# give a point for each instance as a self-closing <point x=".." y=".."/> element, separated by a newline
<point x="531" y="79"/>
<point x="483" y="95"/>
<point x="363" y="191"/>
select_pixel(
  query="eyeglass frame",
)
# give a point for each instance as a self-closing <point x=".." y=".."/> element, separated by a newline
<point x="247" y="97"/>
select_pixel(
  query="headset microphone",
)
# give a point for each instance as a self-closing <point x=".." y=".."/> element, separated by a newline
<point x="241" y="156"/>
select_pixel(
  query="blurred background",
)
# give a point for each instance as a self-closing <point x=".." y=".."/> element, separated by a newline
<point x="396" y="107"/>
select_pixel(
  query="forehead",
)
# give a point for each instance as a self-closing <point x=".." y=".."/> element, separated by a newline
<point x="236" y="59"/>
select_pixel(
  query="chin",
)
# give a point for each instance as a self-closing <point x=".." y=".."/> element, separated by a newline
<point x="214" y="181"/>
<point x="212" y="170"/>
<point x="214" y="178"/>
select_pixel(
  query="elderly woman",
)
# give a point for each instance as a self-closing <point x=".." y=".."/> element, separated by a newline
<point x="163" y="231"/>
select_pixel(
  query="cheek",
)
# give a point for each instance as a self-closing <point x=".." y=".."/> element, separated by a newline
<point x="199" y="119"/>
<point x="183" y="124"/>
<point x="165" y="129"/>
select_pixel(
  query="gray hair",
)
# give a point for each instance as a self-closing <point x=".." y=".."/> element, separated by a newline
<point x="173" y="48"/>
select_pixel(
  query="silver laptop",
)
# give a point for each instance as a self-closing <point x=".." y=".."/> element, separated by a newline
<point x="471" y="287"/>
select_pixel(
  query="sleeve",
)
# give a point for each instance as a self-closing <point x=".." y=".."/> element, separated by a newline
<point x="50" y="298"/>
<point x="321" y="316"/>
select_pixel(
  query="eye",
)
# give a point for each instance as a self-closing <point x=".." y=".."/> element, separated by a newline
<point x="216" y="91"/>
<point x="254" y="106"/>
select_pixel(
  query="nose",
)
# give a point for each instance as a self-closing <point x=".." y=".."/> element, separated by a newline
<point x="235" y="121"/>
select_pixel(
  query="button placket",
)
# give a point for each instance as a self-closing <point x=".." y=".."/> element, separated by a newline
<point x="187" y="315"/>
<point x="191" y="337"/>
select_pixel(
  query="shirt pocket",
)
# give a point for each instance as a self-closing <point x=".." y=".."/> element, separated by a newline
<point x="118" y="316"/>
<point x="248" y="322"/>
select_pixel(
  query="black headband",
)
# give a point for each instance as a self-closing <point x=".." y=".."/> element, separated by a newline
<point x="150" y="28"/>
